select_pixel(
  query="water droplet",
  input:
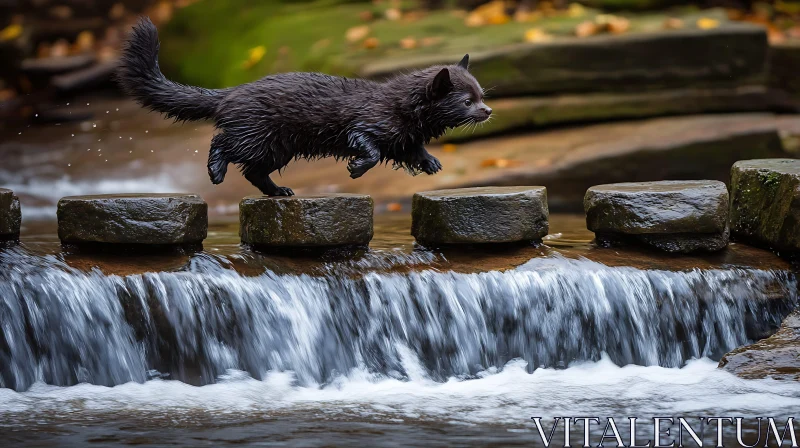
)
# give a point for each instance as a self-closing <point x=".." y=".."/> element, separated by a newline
<point x="130" y="138"/>
<point x="73" y="135"/>
<point x="151" y="150"/>
<point x="130" y="152"/>
<point x="67" y="104"/>
<point x="118" y="109"/>
<point x="87" y="104"/>
<point x="106" y="111"/>
<point x="94" y="125"/>
<point x="106" y="160"/>
<point x="69" y="164"/>
<point x="195" y="150"/>
<point x="99" y="139"/>
<point x="20" y="133"/>
<point x="35" y="115"/>
<point x="98" y="149"/>
<point x="146" y="132"/>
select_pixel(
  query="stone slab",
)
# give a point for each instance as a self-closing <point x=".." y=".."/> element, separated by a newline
<point x="539" y="112"/>
<point x="133" y="219"/>
<point x="674" y="216"/>
<point x="765" y="203"/>
<point x="733" y="54"/>
<point x="776" y="357"/>
<point x="10" y="215"/>
<point x="325" y="220"/>
<point x="480" y="215"/>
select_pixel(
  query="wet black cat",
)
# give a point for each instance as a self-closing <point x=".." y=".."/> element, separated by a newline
<point x="266" y="124"/>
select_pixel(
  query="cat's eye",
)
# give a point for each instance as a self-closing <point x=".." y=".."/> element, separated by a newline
<point x="467" y="103"/>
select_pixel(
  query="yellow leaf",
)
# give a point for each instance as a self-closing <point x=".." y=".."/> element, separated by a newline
<point x="449" y="147"/>
<point x="12" y="31"/>
<point x="356" y="33"/>
<point x="255" y="55"/>
<point x="707" y="23"/>
<point x="576" y="10"/>
<point x="537" y="35"/>
<point x="408" y="43"/>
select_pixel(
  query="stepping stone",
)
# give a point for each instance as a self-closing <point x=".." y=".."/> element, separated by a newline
<point x="10" y="215"/>
<point x="480" y="215"/>
<point x="318" y="221"/>
<point x="133" y="219"/>
<point x="765" y="203"/>
<point x="673" y="216"/>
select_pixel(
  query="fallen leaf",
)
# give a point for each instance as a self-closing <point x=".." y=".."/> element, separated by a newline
<point x="428" y="41"/>
<point x="673" y="23"/>
<point x="586" y="29"/>
<point x="84" y="42"/>
<point x="371" y="43"/>
<point x="394" y="207"/>
<point x="10" y="32"/>
<point x="449" y="147"/>
<point x="707" y="23"/>
<point x="500" y="163"/>
<point x="408" y="43"/>
<point x="356" y="33"/>
<point x="255" y="55"/>
<point x="537" y="35"/>
<point x="492" y="13"/>
<point x="576" y="10"/>
<point x="393" y="14"/>
<point x="618" y="25"/>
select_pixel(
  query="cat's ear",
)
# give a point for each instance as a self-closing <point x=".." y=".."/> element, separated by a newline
<point x="464" y="63"/>
<point x="441" y="85"/>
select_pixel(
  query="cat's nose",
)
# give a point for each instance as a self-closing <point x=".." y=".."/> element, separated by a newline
<point x="487" y="110"/>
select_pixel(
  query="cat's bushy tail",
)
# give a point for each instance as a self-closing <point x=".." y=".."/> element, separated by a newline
<point x="141" y="78"/>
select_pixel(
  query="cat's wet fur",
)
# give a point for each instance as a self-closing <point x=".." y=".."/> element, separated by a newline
<point x="264" y="125"/>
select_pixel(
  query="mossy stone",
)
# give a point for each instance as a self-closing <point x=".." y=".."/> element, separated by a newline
<point x="480" y="215"/>
<point x="733" y="54"/>
<point x="133" y="219"/>
<point x="325" y="220"/>
<point x="10" y="215"/>
<point x="673" y="216"/>
<point x="765" y="203"/>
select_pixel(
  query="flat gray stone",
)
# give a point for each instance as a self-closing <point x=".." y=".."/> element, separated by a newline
<point x="10" y="215"/>
<point x="674" y="216"/>
<point x="133" y="219"/>
<point x="480" y="215"/>
<point x="765" y="203"/>
<point x="325" y="220"/>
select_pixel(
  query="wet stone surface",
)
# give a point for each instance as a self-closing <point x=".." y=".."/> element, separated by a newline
<point x="777" y="356"/>
<point x="673" y="216"/>
<point x="765" y="203"/>
<point x="10" y="215"/>
<point x="480" y="215"/>
<point x="318" y="221"/>
<point x="133" y="219"/>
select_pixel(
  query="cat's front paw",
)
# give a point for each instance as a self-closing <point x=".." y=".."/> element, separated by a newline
<point x="430" y="165"/>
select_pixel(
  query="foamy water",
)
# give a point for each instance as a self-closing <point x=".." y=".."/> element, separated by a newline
<point x="508" y="396"/>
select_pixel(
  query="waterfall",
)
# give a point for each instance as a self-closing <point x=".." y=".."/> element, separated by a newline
<point x="63" y="326"/>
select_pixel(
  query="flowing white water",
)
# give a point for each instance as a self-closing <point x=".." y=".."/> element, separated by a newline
<point x="60" y="326"/>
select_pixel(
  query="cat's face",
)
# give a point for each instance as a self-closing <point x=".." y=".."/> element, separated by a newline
<point x="457" y="97"/>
